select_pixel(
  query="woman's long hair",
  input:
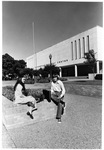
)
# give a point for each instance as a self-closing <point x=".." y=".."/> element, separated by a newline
<point x="19" y="81"/>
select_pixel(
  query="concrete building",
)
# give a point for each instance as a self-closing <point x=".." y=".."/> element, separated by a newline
<point x="68" y="55"/>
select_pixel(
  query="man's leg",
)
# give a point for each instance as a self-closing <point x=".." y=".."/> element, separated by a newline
<point x="60" y="107"/>
<point x="63" y="104"/>
<point x="59" y="111"/>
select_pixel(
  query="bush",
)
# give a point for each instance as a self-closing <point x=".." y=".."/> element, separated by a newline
<point x="36" y="93"/>
<point x="30" y="81"/>
<point x="98" y="77"/>
<point x="63" y="79"/>
<point x="8" y="92"/>
<point x="44" y="80"/>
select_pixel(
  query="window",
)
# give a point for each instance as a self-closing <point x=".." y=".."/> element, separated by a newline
<point x="88" y="44"/>
<point x="79" y="48"/>
<point x="75" y="49"/>
<point x="72" y="50"/>
<point x="83" y="45"/>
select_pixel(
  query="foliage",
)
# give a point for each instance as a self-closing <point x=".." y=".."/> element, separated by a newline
<point x="98" y="77"/>
<point x="90" y="60"/>
<point x="44" y="72"/>
<point x="30" y="81"/>
<point x="11" y="68"/>
<point x="28" y="72"/>
<point x="63" y="79"/>
<point x="53" y="68"/>
<point x="8" y="92"/>
<point x="44" y="80"/>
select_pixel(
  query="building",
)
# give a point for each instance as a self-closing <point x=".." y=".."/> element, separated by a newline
<point x="68" y="55"/>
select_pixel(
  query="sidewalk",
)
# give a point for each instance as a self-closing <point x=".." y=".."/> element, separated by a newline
<point x="80" y="127"/>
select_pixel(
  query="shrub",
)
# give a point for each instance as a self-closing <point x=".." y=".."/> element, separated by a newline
<point x="30" y="81"/>
<point x="63" y="79"/>
<point x="36" y="93"/>
<point x="8" y="92"/>
<point x="98" y="77"/>
<point x="44" y="80"/>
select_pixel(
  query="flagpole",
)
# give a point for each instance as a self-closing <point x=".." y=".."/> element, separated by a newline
<point x="34" y="50"/>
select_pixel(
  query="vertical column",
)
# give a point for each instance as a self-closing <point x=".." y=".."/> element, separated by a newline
<point x="88" y="43"/>
<point x="81" y="40"/>
<point x="76" y="74"/>
<point x="79" y="49"/>
<point x="60" y="73"/>
<point x="98" y="70"/>
<point x="73" y="50"/>
<point x="83" y="46"/>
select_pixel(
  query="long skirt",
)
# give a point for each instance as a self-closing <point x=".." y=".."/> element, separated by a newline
<point x="25" y="100"/>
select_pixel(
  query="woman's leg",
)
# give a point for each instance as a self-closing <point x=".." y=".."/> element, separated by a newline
<point x="31" y="103"/>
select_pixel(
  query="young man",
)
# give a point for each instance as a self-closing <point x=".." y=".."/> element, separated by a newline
<point x="57" y="95"/>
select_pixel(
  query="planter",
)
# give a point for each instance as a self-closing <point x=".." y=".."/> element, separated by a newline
<point x="91" y="76"/>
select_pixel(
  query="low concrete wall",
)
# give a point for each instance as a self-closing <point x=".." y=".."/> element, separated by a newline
<point x="85" y="90"/>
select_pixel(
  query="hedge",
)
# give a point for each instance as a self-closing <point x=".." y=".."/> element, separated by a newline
<point x="8" y="92"/>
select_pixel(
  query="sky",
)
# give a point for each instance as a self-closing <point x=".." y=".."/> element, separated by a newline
<point x="53" y="22"/>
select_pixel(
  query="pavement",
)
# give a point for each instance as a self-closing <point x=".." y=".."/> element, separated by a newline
<point x="80" y="127"/>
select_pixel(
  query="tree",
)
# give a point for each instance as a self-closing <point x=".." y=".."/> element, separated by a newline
<point x="53" y="68"/>
<point x="11" y="67"/>
<point x="18" y="66"/>
<point x="27" y="71"/>
<point x="90" y="60"/>
<point x="7" y="65"/>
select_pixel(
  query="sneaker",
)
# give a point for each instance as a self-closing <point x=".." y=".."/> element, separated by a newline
<point x="29" y="114"/>
<point x="59" y="120"/>
<point x="34" y="109"/>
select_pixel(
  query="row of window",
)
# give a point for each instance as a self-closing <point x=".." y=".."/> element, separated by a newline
<point x="74" y="47"/>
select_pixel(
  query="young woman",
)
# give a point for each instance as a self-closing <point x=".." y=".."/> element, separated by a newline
<point x="22" y="98"/>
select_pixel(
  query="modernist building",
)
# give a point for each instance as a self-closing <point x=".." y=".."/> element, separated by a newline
<point x="68" y="55"/>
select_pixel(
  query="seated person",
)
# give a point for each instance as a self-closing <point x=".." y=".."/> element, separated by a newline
<point x="21" y="98"/>
<point x="57" y="95"/>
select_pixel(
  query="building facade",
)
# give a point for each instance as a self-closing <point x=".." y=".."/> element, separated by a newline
<point x="68" y="55"/>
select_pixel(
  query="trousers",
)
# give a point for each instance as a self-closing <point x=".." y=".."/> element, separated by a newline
<point x="60" y="107"/>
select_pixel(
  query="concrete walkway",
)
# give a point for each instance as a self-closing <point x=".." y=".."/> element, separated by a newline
<point x="80" y="127"/>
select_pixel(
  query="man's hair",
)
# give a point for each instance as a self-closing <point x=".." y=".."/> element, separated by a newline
<point x="55" y="76"/>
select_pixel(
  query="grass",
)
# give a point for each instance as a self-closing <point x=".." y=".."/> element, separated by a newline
<point x="82" y="87"/>
<point x="86" y="82"/>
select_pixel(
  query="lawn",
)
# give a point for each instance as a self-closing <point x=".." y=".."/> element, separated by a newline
<point x="86" y="82"/>
<point x="82" y="87"/>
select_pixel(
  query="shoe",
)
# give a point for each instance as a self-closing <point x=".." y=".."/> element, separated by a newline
<point x="29" y="114"/>
<point x="59" y="120"/>
<point x="34" y="109"/>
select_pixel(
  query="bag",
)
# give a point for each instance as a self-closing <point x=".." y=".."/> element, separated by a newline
<point x="47" y="94"/>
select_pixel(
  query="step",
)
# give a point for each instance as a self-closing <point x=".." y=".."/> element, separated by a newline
<point x="16" y="116"/>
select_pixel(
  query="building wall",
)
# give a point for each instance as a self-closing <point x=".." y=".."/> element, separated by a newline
<point x="69" y="52"/>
